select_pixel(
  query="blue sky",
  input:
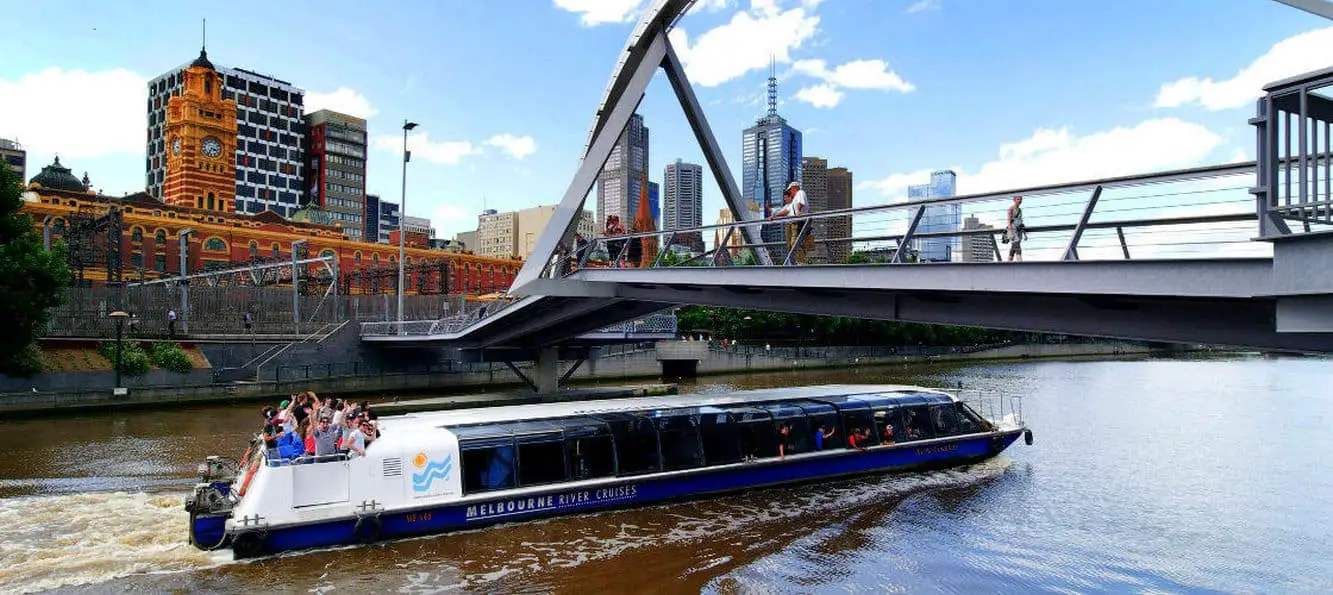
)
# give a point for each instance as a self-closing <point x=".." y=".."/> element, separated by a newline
<point x="1008" y="93"/>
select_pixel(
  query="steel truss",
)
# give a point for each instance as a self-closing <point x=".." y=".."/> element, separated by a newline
<point x="94" y="240"/>
<point x="431" y="277"/>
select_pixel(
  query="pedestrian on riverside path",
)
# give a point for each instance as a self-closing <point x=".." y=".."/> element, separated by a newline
<point x="249" y="321"/>
<point x="171" y="324"/>
<point x="794" y="204"/>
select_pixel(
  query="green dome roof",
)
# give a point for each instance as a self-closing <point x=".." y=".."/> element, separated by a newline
<point x="58" y="177"/>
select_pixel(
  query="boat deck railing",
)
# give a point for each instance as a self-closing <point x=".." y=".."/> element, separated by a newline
<point x="304" y="459"/>
<point x="995" y="406"/>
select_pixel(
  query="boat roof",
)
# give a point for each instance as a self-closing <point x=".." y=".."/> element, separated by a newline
<point x="842" y="393"/>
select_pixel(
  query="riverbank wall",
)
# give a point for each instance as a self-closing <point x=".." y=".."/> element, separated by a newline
<point x="81" y="391"/>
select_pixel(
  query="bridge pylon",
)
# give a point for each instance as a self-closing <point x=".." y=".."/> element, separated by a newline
<point x="647" y="50"/>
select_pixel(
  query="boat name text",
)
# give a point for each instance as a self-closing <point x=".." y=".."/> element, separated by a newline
<point x="579" y="499"/>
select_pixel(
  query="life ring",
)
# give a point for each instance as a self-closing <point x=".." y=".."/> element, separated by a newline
<point x="245" y="458"/>
<point x="248" y="544"/>
<point x="249" y="475"/>
<point x="367" y="529"/>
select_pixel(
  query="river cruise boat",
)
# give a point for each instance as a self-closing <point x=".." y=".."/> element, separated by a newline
<point x="435" y="472"/>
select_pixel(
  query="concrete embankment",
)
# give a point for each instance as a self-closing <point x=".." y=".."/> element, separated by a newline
<point x="92" y="390"/>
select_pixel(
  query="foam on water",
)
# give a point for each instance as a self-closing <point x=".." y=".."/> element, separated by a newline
<point x="54" y="541"/>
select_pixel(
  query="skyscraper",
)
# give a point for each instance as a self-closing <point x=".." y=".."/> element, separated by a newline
<point x="839" y="198"/>
<point x="814" y="181"/>
<point x="619" y="183"/>
<point x="655" y="202"/>
<point x="14" y="157"/>
<point x="977" y="248"/>
<point x="770" y="159"/>
<point x="270" y="137"/>
<point x="337" y="175"/>
<point x="937" y="218"/>
<point x="682" y="207"/>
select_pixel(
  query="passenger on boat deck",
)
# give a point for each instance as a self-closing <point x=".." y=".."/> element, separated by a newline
<point x="325" y="436"/>
<point x="913" y="426"/>
<point x="357" y="442"/>
<point x="272" y="431"/>
<point x="289" y="445"/>
<point x="784" y="440"/>
<point x="857" y="436"/>
<point x="823" y="433"/>
<point x="886" y="436"/>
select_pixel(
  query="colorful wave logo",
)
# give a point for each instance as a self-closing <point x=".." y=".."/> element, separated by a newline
<point x="434" y="470"/>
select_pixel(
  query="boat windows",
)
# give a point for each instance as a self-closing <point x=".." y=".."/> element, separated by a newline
<point x="823" y="417"/>
<point x="969" y="421"/>
<point x="541" y="457"/>
<point x="757" y="432"/>
<point x="636" y="443"/>
<point x="488" y="458"/>
<point x="791" y="417"/>
<point x="856" y="416"/>
<point x="889" y="424"/>
<point x="590" y="449"/>
<point x="680" y="442"/>
<point x="721" y="438"/>
<point x="916" y="421"/>
<point x="945" y="420"/>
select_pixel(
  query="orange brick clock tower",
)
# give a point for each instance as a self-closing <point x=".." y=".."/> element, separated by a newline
<point x="201" y="142"/>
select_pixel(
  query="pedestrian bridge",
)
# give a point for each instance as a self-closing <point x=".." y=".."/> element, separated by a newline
<point x="1237" y="254"/>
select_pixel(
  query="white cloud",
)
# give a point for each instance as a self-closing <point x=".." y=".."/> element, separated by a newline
<point x="54" y="111"/>
<point x="449" y="219"/>
<point x="923" y="6"/>
<point x="600" y="12"/>
<point x="443" y="152"/>
<point x="517" y="147"/>
<point x="1054" y="156"/>
<point x="820" y="96"/>
<point x="1294" y="55"/>
<point x="745" y="43"/>
<point x="857" y="74"/>
<point x="344" y="100"/>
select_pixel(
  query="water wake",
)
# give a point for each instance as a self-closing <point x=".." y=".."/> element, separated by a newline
<point x="56" y="541"/>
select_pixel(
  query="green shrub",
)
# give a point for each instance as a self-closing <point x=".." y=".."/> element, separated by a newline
<point x="134" y="361"/>
<point x="170" y="356"/>
<point x="25" y="363"/>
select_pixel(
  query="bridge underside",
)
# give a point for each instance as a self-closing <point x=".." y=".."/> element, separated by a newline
<point x="1168" y="301"/>
<point x="537" y="322"/>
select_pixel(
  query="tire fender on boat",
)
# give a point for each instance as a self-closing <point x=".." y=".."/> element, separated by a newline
<point x="1027" y="437"/>
<point x="248" y="544"/>
<point x="367" y="528"/>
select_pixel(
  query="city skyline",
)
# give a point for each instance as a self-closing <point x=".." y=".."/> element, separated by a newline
<point x="876" y="103"/>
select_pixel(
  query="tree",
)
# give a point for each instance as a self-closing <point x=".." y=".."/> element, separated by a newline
<point x="32" y="281"/>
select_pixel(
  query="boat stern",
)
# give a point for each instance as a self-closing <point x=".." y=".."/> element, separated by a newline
<point x="211" y="502"/>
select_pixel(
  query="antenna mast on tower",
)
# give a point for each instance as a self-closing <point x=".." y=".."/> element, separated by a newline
<point x="204" y="45"/>
<point x="772" y="87"/>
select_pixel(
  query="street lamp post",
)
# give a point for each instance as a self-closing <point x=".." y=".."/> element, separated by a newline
<point x="402" y="212"/>
<point x="120" y="317"/>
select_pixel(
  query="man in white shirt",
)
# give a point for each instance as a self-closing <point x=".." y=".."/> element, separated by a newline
<point x="794" y="204"/>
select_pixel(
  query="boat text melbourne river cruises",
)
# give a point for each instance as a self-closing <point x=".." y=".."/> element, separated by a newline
<point x="434" y="472"/>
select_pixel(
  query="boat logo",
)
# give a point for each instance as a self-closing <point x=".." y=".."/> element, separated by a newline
<point x="430" y="471"/>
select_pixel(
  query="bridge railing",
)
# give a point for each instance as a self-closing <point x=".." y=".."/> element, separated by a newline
<point x="1190" y="213"/>
<point x="1294" y="126"/>
<point x="655" y="324"/>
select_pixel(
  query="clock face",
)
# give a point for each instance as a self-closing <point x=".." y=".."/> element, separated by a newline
<point x="211" y="147"/>
<point x="176" y="146"/>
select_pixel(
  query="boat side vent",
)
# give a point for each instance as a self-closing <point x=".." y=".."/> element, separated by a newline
<point x="393" y="467"/>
